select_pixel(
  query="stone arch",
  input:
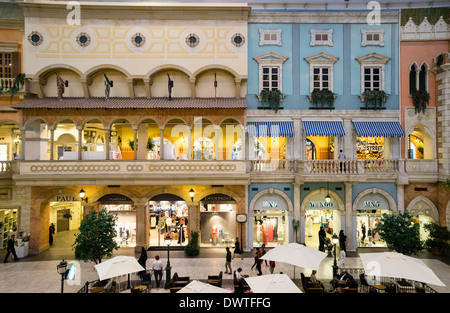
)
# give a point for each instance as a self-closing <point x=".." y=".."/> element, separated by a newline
<point x="166" y="67"/>
<point x="421" y="204"/>
<point x="332" y="193"/>
<point x="164" y="190"/>
<point x="48" y="70"/>
<point x="94" y="70"/>
<point x="270" y="191"/>
<point x="90" y="118"/>
<point x="61" y="119"/>
<point x="429" y="130"/>
<point x="116" y="190"/>
<point x="219" y="67"/>
<point x="118" y="119"/>
<point x="171" y="118"/>
<point x="33" y="119"/>
<point x="392" y="205"/>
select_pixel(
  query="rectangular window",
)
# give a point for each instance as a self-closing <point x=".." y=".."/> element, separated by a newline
<point x="5" y="65"/>
<point x="372" y="78"/>
<point x="321" y="37"/>
<point x="372" y="37"/>
<point x="270" y="78"/>
<point x="270" y="37"/>
<point x="321" y="78"/>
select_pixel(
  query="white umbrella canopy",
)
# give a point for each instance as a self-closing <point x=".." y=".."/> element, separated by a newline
<point x="273" y="283"/>
<point x="394" y="264"/>
<point x="117" y="266"/>
<point x="196" y="286"/>
<point x="296" y="254"/>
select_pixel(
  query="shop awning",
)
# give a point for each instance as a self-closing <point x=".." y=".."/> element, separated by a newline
<point x="324" y="128"/>
<point x="270" y="129"/>
<point x="378" y="129"/>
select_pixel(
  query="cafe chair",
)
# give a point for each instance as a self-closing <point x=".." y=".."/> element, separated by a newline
<point x="146" y="280"/>
<point x="363" y="282"/>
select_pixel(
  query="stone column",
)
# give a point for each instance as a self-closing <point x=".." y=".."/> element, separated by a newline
<point x="23" y="134"/>
<point x="142" y="226"/>
<point x="237" y="82"/>
<point x="130" y="87"/>
<point x="107" y="142"/>
<point x="298" y="145"/>
<point x="192" y="85"/>
<point x="443" y="115"/>
<point x="161" y="145"/>
<point x="52" y="144"/>
<point x="189" y="143"/>
<point x="135" y="144"/>
<point x="216" y="142"/>
<point x="350" y="229"/>
<point x="194" y="218"/>
<point x="401" y="198"/>
<point x="142" y="141"/>
<point x="148" y="91"/>
<point x="80" y="143"/>
<point x="296" y="214"/>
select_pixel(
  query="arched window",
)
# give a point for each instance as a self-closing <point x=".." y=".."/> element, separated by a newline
<point x="423" y="77"/>
<point x="413" y="78"/>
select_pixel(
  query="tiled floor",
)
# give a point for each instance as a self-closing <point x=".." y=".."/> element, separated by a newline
<point x="37" y="274"/>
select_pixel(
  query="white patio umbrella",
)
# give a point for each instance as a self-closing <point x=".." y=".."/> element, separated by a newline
<point x="394" y="264"/>
<point x="196" y="286"/>
<point x="273" y="283"/>
<point x="117" y="266"/>
<point x="297" y="255"/>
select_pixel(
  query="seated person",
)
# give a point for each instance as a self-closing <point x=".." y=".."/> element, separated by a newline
<point x="313" y="278"/>
<point x="350" y="282"/>
<point x="240" y="279"/>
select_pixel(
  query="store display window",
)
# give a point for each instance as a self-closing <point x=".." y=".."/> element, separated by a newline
<point x="168" y="215"/>
<point x="217" y="220"/>
<point x="8" y="225"/>
<point x="366" y="228"/>
<point x="370" y="147"/>
<point x="125" y="210"/>
<point x="269" y="227"/>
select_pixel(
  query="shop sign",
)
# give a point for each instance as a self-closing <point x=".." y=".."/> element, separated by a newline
<point x="65" y="198"/>
<point x="270" y="204"/>
<point x="320" y="204"/>
<point x="371" y="204"/>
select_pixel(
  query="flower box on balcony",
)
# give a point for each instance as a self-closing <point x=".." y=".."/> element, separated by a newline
<point x="373" y="99"/>
<point x="272" y="98"/>
<point x="322" y="99"/>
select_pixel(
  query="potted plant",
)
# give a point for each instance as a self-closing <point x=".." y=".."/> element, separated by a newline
<point x="446" y="184"/>
<point x="322" y="97"/>
<point x="438" y="241"/>
<point x="272" y="97"/>
<point x="192" y="248"/>
<point x="420" y="100"/>
<point x="373" y="99"/>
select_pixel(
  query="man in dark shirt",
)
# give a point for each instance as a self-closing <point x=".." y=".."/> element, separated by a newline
<point x="228" y="262"/>
<point x="11" y="249"/>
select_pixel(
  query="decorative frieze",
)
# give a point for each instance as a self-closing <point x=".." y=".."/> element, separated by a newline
<point x="425" y="31"/>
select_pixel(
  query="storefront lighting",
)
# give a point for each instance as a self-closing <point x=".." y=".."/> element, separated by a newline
<point x="82" y="194"/>
<point x="335" y="239"/>
<point x="327" y="198"/>
<point x="168" y="240"/>
<point x="191" y="194"/>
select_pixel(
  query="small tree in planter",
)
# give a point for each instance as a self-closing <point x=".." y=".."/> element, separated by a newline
<point x="420" y="100"/>
<point x="96" y="237"/>
<point x="272" y="97"/>
<point x="322" y="97"/>
<point x="374" y="98"/>
<point x="192" y="248"/>
<point x="400" y="234"/>
<point x="438" y="241"/>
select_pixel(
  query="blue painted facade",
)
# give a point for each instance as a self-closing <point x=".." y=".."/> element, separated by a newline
<point x="346" y="46"/>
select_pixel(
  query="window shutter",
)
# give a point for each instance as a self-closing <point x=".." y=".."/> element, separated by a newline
<point x="16" y="62"/>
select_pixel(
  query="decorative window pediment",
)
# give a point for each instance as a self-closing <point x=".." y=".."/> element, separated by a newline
<point x="270" y="70"/>
<point x="373" y="58"/>
<point x="321" y="37"/>
<point x="321" y="71"/>
<point x="322" y="58"/>
<point x="372" y="37"/>
<point x="270" y="37"/>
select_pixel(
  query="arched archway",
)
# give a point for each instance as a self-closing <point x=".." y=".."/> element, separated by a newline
<point x="11" y="140"/>
<point x="425" y="210"/>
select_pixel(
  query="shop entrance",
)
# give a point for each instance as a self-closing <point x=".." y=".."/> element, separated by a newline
<point x="329" y="219"/>
<point x="8" y="225"/>
<point x="66" y="215"/>
<point x="168" y="214"/>
<point x="217" y="220"/>
<point x="125" y="210"/>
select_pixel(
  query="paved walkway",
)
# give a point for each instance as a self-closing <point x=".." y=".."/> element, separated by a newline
<point x="37" y="274"/>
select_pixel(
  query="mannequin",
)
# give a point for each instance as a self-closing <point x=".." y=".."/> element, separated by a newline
<point x="264" y="232"/>
<point x="214" y="231"/>
<point x="309" y="227"/>
<point x="258" y="232"/>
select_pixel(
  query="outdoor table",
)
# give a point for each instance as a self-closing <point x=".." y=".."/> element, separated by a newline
<point x="379" y="287"/>
<point x="97" y="289"/>
<point x="141" y="288"/>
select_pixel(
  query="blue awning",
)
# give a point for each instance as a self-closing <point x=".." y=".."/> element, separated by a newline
<point x="379" y="129"/>
<point x="270" y="129"/>
<point x="324" y="128"/>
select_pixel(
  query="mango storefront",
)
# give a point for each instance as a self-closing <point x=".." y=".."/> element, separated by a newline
<point x="270" y="217"/>
<point x="369" y="206"/>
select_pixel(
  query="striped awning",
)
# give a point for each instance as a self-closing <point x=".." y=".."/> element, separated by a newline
<point x="270" y="129"/>
<point x="379" y="129"/>
<point x="324" y="128"/>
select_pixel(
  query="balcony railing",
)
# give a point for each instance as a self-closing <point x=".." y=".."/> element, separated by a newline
<point x="9" y="83"/>
<point x="419" y="168"/>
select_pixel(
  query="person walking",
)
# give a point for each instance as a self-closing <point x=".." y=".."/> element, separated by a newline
<point x="259" y="261"/>
<point x="157" y="267"/>
<point x="256" y="259"/>
<point x="51" y="233"/>
<point x="263" y="249"/>
<point x="342" y="240"/>
<point x="341" y="158"/>
<point x="228" y="262"/>
<point x="143" y="261"/>
<point x="322" y="236"/>
<point x="11" y="249"/>
<point x="271" y="266"/>
<point x="237" y="249"/>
